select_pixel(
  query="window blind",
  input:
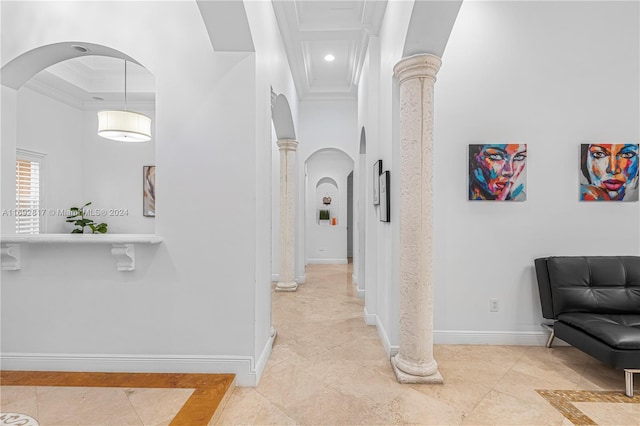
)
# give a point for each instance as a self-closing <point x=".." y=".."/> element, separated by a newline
<point x="28" y="196"/>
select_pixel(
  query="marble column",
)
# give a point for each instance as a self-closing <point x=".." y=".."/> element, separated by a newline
<point x="414" y="362"/>
<point x="287" y="280"/>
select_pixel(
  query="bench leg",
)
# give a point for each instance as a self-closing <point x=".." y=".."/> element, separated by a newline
<point x="552" y="335"/>
<point x="628" y="380"/>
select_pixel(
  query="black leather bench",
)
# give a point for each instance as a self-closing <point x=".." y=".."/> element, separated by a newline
<point x="595" y="304"/>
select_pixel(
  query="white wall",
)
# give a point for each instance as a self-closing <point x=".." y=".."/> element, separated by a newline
<point x="272" y="72"/>
<point x="191" y="303"/>
<point x="549" y="74"/>
<point x="81" y="166"/>
<point x="112" y="177"/>
<point x="55" y="129"/>
<point x="378" y="100"/>
<point x="9" y="134"/>
<point x="552" y="75"/>
<point x="327" y="243"/>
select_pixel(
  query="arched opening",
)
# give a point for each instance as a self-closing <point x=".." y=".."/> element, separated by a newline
<point x="58" y="90"/>
<point x="327" y="181"/>
<point x="282" y="119"/>
<point x="282" y="129"/>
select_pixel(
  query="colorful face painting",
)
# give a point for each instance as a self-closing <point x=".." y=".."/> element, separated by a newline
<point x="497" y="172"/>
<point x="609" y="172"/>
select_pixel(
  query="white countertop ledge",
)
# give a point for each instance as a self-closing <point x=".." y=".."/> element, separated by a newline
<point x="122" y="246"/>
<point x="82" y="239"/>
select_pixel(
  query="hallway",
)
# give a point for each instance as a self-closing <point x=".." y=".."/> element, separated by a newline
<point x="328" y="367"/>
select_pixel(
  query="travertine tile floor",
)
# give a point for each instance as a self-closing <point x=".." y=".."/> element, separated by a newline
<point x="329" y="368"/>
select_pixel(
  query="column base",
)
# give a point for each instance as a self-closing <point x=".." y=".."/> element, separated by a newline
<point x="402" y="377"/>
<point x="289" y="286"/>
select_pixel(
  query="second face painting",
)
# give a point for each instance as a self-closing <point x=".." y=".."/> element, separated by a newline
<point x="609" y="172"/>
<point x="498" y="172"/>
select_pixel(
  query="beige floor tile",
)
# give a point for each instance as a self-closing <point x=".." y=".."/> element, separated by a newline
<point x="464" y="397"/>
<point x="288" y="383"/>
<point x="611" y="414"/>
<point x="417" y="408"/>
<point x="246" y="406"/>
<point x="68" y="406"/>
<point x="157" y="406"/>
<point x="331" y="407"/>
<point x="522" y="385"/>
<point x="501" y="409"/>
<point x="19" y="399"/>
<point x="598" y="376"/>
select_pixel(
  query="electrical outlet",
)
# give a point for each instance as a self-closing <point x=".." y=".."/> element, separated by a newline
<point x="493" y="305"/>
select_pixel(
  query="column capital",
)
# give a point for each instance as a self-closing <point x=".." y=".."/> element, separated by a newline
<point x="287" y="144"/>
<point x="423" y="65"/>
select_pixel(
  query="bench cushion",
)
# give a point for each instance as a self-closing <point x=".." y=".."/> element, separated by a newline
<point x="594" y="284"/>
<point x="617" y="331"/>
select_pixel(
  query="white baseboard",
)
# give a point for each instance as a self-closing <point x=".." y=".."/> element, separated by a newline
<point x="318" y="261"/>
<point x="369" y="319"/>
<point x="354" y="279"/>
<point x="264" y="358"/>
<point x="471" y="337"/>
<point x="390" y="349"/>
<point x="242" y="367"/>
<point x="301" y="279"/>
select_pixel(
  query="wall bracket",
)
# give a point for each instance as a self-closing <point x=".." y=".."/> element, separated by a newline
<point x="11" y="259"/>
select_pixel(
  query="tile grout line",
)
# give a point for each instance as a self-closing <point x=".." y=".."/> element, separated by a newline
<point x="131" y="404"/>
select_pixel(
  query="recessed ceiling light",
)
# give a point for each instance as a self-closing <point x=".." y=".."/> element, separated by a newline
<point x="80" y="48"/>
<point x="329" y="58"/>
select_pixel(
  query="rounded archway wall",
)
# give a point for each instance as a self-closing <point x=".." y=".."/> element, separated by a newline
<point x="326" y="240"/>
<point x="62" y="86"/>
<point x="22" y="68"/>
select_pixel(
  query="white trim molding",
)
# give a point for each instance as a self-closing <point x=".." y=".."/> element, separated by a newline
<point x="369" y="319"/>
<point x="318" y="261"/>
<point x="242" y="366"/>
<point x="264" y="356"/>
<point x="474" y="337"/>
<point x="390" y="349"/>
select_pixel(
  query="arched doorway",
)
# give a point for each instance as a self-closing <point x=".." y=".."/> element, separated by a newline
<point x="327" y="181"/>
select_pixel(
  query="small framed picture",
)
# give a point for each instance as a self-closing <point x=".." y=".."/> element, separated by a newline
<point x="149" y="191"/>
<point x="385" y="199"/>
<point x="377" y="169"/>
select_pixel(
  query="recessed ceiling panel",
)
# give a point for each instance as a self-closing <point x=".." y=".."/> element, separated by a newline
<point x="312" y="29"/>
<point x="321" y="70"/>
<point x="329" y="15"/>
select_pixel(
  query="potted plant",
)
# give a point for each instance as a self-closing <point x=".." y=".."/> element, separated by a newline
<point x="324" y="216"/>
<point x="77" y="218"/>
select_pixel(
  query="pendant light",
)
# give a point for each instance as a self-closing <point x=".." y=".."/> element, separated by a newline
<point x="124" y="126"/>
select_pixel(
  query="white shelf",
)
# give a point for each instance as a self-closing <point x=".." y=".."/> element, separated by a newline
<point x="121" y="246"/>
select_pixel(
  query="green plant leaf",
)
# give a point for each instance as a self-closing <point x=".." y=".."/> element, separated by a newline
<point x="77" y="231"/>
